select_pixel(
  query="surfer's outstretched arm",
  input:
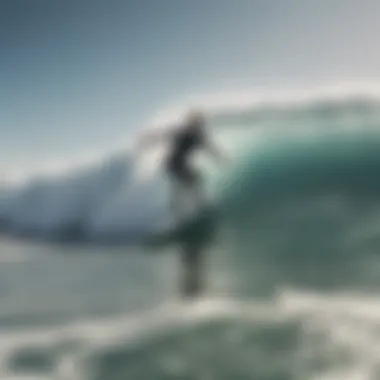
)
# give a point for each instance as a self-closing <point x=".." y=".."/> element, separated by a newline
<point x="151" y="138"/>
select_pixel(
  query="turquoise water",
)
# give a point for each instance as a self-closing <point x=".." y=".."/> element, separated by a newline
<point x="116" y="314"/>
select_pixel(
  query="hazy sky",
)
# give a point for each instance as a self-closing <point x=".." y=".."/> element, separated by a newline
<point x="77" y="75"/>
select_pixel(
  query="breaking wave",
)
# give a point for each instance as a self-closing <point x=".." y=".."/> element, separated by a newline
<point x="314" y="146"/>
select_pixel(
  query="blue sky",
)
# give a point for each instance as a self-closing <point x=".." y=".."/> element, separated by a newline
<point x="78" y="75"/>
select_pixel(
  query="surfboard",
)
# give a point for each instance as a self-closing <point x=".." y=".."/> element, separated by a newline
<point x="196" y="230"/>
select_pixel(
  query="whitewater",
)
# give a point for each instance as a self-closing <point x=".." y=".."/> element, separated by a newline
<point x="293" y="273"/>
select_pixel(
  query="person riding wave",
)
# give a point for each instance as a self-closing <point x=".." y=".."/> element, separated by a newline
<point x="184" y="141"/>
<point x="184" y="177"/>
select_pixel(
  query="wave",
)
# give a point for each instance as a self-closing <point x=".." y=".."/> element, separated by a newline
<point x="285" y="153"/>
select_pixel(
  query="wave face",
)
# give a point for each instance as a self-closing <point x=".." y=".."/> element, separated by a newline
<point x="287" y="158"/>
<point x="310" y="207"/>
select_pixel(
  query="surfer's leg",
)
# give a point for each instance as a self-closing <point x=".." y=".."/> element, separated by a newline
<point x="197" y="188"/>
<point x="191" y="281"/>
<point x="178" y="191"/>
<point x="175" y="198"/>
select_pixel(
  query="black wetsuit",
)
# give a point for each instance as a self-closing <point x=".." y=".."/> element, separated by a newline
<point x="185" y="142"/>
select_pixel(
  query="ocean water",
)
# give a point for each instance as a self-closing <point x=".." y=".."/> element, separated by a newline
<point x="292" y="265"/>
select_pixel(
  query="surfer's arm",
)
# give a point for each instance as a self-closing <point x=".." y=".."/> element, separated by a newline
<point x="151" y="138"/>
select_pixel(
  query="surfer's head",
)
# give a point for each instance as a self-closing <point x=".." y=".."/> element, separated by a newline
<point x="196" y="118"/>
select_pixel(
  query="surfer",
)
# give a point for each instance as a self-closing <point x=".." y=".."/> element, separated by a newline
<point x="184" y="142"/>
<point x="185" y="178"/>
